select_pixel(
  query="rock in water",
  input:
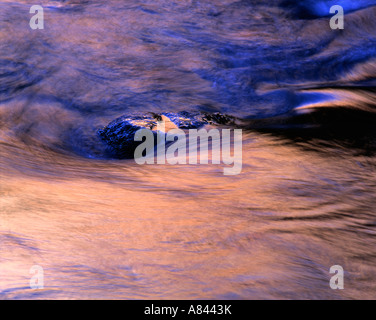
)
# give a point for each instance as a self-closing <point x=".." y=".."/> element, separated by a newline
<point x="186" y="120"/>
<point x="119" y="134"/>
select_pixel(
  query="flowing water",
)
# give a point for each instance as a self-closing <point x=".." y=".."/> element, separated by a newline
<point x="107" y="228"/>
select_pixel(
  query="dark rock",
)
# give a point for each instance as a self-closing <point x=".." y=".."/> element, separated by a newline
<point x="218" y="119"/>
<point x="119" y="134"/>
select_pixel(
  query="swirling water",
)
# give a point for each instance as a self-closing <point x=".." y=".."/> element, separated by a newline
<point x="106" y="228"/>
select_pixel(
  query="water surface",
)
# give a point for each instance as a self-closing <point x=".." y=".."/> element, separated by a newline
<point x="106" y="228"/>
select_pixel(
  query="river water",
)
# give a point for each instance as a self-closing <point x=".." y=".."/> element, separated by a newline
<point x="112" y="229"/>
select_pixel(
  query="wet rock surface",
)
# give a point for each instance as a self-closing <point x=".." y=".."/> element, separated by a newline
<point x="119" y="134"/>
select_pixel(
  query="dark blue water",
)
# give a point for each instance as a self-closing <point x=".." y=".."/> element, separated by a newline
<point x="104" y="228"/>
